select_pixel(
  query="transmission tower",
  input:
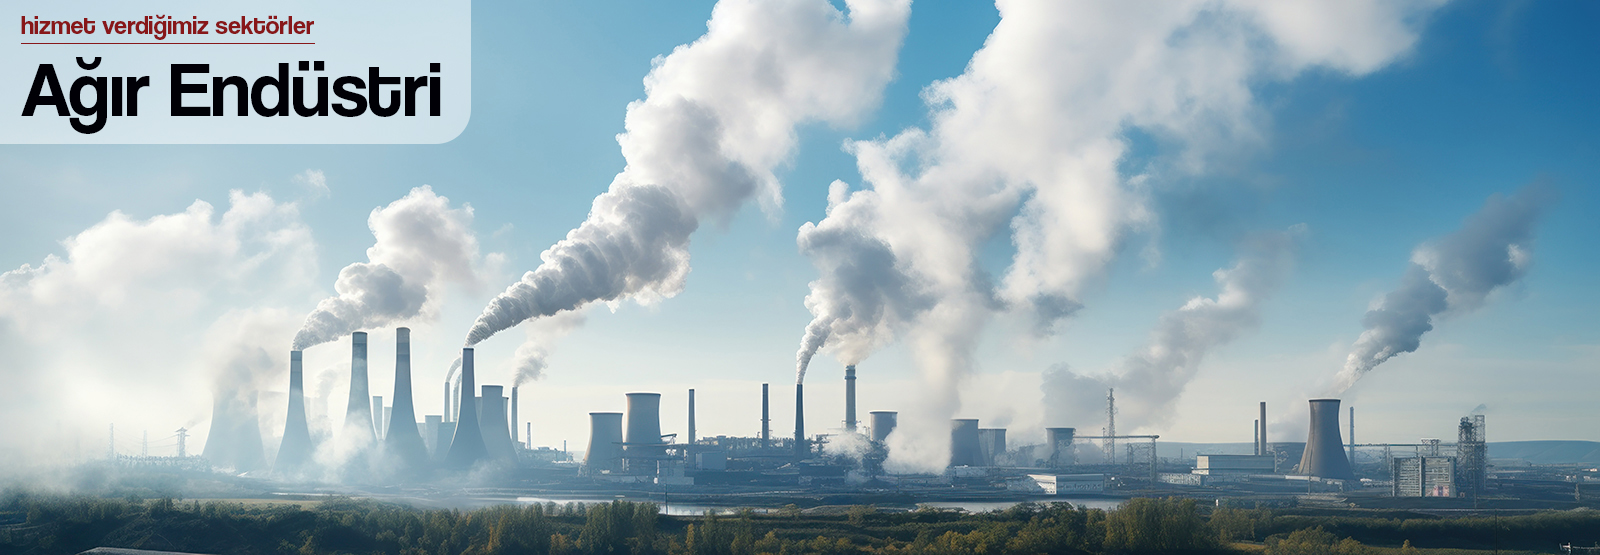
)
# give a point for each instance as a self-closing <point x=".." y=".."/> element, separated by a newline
<point x="1111" y="426"/>
<point x="183" y="434"/>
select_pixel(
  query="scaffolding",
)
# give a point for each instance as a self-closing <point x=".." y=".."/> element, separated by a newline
<point x="1472" y="454"/>
<point x="1141" y="456"/>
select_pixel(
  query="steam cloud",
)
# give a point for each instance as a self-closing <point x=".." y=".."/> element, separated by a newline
<point x="719" y="116"/>
<point x="1450" y="276"/>
<point x="529" y="361"/>
<point x="1150" y="381"/>
<point x="422" y="244"/>
<point x="1032" y="140"/>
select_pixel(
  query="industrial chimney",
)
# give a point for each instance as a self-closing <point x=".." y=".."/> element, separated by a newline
<point x="883" y="423"/>
<point x="800" y="448"/>
<point x="964" y="450"/>
<point x="295" y="451"/>
<point x="991" y="444"/>
<point x="466" y="446"/>
<point x="1324" y="456"/>
<point x="643" y="442"/>
<point x="605" y="443"/>
<point x="1059" y="446"/>
<point x="402" y="440"/>
<point x="766" y="419"/>
<point x="691" y="416"/>
<point x="1261" y="433"/>
<point x="515" y="439"/>
<point x="850" y="398"/>
<point x="359" y="429"/>
<point x="496" y="438"/>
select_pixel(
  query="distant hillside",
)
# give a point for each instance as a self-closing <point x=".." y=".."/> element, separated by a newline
<point x="1535" y="452"/>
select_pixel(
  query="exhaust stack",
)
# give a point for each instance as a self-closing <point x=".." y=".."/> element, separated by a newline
<point x="1261" y="433"/>
<point x="883" y="423"/>
<point x="964" y="450"/>
<point x="466" y="446"/>
<point x="800" y="448"/>
<point x="605" y="443"/>
<point x="515" y="439"/>
<point x="850" y="398"/>
<point x="766" y="419"/>
<point x="691" y="417"/>
<point x="295" y="451"/>
<point x="402" y="439"/>
<point x="359" y="429"/>
<point x="1324" y="456"/>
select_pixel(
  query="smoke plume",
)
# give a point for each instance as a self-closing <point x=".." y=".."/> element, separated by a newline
<point x="1032" y="141"/>
<point x="422" y="245"/>
<point x="718" y="118"/>
<point x="529" y="361"/>
<point x="1150" y="381"/>
<point x="1449" y="276"/>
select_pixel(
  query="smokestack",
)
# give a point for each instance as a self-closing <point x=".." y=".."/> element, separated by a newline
<point x="644" y="432"/>
<point x="991" y="444"/>
<point x="883" y="423"/>
<point x="295" y="451"/>
<point x="496" y="438"/>
<point x="964" y="450"/>
<point x="850" y="398"/>
<point x="800" y="448"/>
<point x="1324" y="456"/>
<point x="1261" y="446"/>
<point x="446" y="416"/>
<point x="766" y="419"/>
<point x="691" y="417"/>
<point x="515" y="439"/>
<point x="466" y="447"/>
<point x="402" y="439"/>
<point x="358" y="425"/>
<point x="1060" y="446"/>
<point x="605" y="443"/>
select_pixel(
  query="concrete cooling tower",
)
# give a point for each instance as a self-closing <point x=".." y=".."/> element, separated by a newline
<point x="235" y="437"/>
<point x="402" y="441"/>
<point x="466" y="446"/>
<point x="1324" y="456"/>
<point x="883" y="423"/>
<point x="964" y="450"/>
<point x="644" y="432"/>
<point x="605" y="443"/>
<point x="358" y="425"/>
<point x="496" y="435"/>
<point x="1058" y="443"/>
<point x="991" y="444"/>
<point x="294" y="453"/>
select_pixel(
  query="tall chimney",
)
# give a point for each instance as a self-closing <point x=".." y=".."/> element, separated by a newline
<point x="446" y="416"/>
<point x="766" y="419"/>
<point x="1261" y="446"/>
<point x="850" y="398"/>
<point x="605" y="443"/>
<point x="295" y="451"/>
<point x="800" y="448"/>
<point x="691" y="416"/>
<point x="466" y="447"/>
<point x="402" y="439"/>
<point x="515" y="438"/>
<point x="644" y="432"/>
<point x="359" y="428"/>
<point x="1324" y="456"/>
<point x="964" y="449"/>
<point x="883" y="423"/>
<point x="496" y="438"/>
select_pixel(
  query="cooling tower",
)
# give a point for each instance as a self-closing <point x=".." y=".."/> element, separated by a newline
<point x="466" y="445"/>
<point x="801" y="450"/>
<point x="235" y="437"/>
<point x="991" y="444"/>
<point x="496" y="438"/>
<point x="441" y="442"/>
<point x="402" y="440"/>
<point x="644" y="432"/>
<point x="605" y="443"/>
<point x="766" y="419"/>
<point x="883" y="423"/>
<point x="377" y="416"/>
<point x="850" y="398"/>
<point x="295" y="451"/>
<point x="1324" y="456"/>
<point x="964" y="450"/>
<point x="1058" y="444"/>
<point x="359" y="428"/>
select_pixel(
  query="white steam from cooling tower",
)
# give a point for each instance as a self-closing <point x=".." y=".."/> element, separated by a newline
<point x="529" y="362"/>
<point x="422" y="245"/>
<point x="1452" y="275"/>
<point x="1032" y="139"/>
<point x="1149" y="381"/>
<point x="718" y="118"/>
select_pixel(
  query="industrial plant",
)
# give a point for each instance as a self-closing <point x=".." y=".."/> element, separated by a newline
<point x="476" y="438"/>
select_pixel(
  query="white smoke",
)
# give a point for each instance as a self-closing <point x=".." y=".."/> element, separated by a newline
<point x="1451" y="275"/>
<point x="1032" y="139"/>
<point x="1150" y="381"/>
<point x="718" y="118"/>
<point x="529" y="362"/>
<point x="422" y="245"/>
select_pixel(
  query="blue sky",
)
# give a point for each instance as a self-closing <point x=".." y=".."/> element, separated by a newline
<point x="1493" y="96"/>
